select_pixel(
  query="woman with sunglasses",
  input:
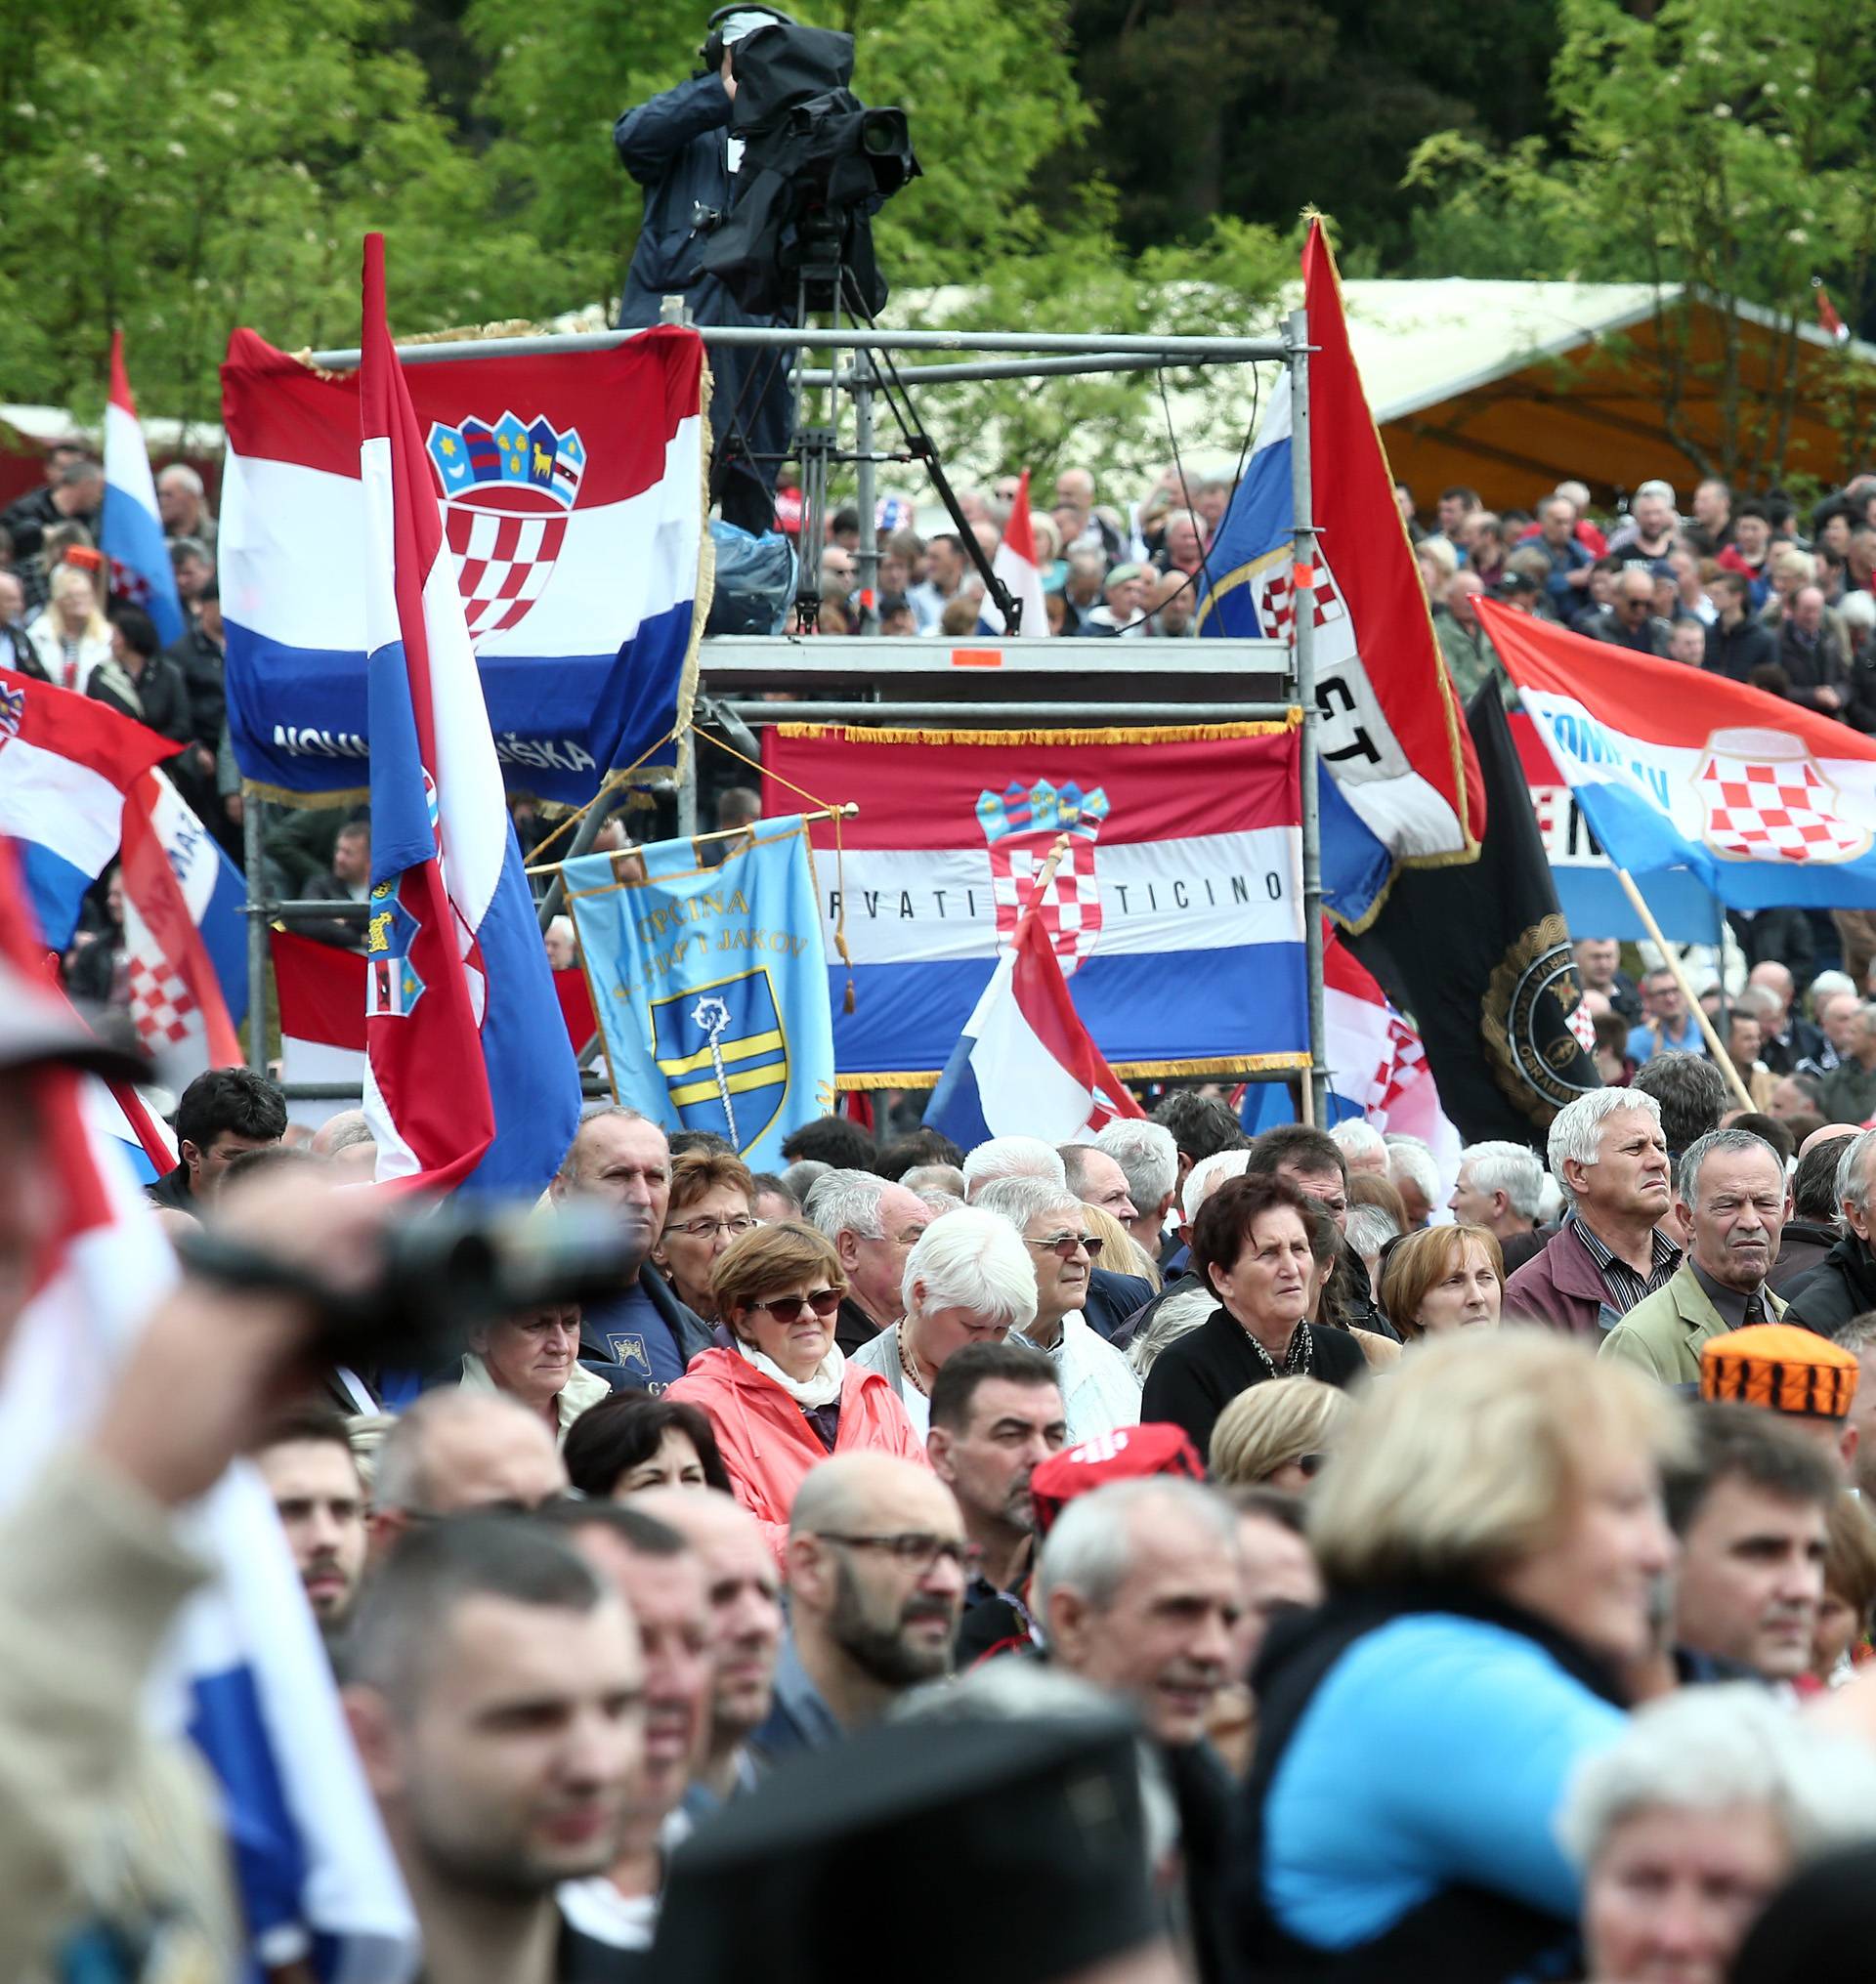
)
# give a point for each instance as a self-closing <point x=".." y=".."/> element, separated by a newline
<point x="1253" y="1248"/>
<point x="779" y="1392"/>
<point x="1277" y="1435"/>
<point x="712" y="1204"/>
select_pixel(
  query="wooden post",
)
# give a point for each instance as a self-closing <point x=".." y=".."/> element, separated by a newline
<point x="1672" y="963"/>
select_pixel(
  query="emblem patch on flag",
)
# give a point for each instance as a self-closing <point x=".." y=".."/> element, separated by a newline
<point x="1766" y="799"/>
<point x="392" y="987"/>
<point x="723" y="1051"/>
<point x="13" y="711"/>
<point x="507" y="491"/>
<point x="1020" y="825"/>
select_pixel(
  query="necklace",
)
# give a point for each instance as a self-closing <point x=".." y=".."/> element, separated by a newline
<point x="911" y="1368"/>
<point x="1296" y="1359"/>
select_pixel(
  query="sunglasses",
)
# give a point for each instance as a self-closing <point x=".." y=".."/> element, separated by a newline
<point x="1064" y="1245"/>
<point x="785" y="1308"/>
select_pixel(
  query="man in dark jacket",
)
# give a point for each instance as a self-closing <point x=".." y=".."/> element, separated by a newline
<point x="679" y="149"/>
<point x="1844" y="1285"/>
<point x="1629" y="620"/>
<point x="140" y="680"/>
<point x="1812" y="654"/>
<point x="1812" y="1230"/>
<point x="1736" y="643"/>
<point x="622" y="1159"/>
<point x="221" y="1115"/>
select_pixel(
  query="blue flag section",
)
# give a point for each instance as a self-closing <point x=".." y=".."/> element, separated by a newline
<point x="710" y="985"/>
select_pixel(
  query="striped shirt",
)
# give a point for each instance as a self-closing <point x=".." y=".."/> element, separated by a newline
<point x="1626" y="1288"/>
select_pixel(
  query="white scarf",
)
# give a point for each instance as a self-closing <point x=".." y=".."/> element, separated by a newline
<point x="820" y="1389"/>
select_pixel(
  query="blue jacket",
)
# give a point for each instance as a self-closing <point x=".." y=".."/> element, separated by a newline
<point x="676" y="147"/>
<point x="1410" y="1765"/>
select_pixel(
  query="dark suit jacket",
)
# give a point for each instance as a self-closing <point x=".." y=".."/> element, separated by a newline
<point x="1196" y="1376"/>
<point x="1112" y="1298"/>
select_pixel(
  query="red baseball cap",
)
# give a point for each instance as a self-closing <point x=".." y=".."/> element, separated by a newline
<point x="1128" y="1453"/>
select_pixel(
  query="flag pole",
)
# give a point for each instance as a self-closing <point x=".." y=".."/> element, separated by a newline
<point x="1672" y="964"/>
<point x="1046" y="874"/>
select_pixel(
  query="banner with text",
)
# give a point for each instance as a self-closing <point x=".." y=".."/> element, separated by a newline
<point x="1176" y="911"/>
<point x="711" y="984"/>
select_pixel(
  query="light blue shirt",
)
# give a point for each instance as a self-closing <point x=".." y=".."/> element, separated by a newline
<point x="1434" y="1754"/>
<point x="1642" y="1042"/>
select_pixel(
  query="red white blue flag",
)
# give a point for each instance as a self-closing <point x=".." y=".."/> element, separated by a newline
<point x="1400" y="778"/>
<point x="1175" y="913"/>
<point x="470" y="1080"/>
<point x="131" y="536"/>
<point x="573" y="512"/>
<point x="1015" y="565"/>
<point x="1771" y="806"/>
<point x="1025" y="1065"/>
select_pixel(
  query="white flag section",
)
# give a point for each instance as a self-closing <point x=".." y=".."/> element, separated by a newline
<point x="1015" y="565"/>
<point x="245" y="1674"/>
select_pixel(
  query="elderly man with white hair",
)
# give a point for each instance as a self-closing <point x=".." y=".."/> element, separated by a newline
<point x="1709" y="1802"/>
<point x="967" y="1280"/>
<point x="1608" y="1155"/>
<point x="1363" y="1147"/>
<point x="1099" y="1392"/>
<point x="1415" y="1176"/>
<point x="874" y="1226"/>
<point x="1012" y="1158"/>
<point x="1149" y="1159"/>
<point x="1500" y="1187"/>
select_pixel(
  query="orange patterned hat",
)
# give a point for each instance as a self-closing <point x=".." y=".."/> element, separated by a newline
<point x="1782" y="1368"/>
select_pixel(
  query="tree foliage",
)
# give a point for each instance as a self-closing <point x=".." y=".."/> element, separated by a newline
<point x="177" y="167"/>
<point x="1708" y="143"/>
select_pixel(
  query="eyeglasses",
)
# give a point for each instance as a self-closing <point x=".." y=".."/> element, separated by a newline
<point x="1065" y="1243"/>
<point x="735" y="1225"/>
<point x="914" y="1550"/>
<point x="785" y="1308"/>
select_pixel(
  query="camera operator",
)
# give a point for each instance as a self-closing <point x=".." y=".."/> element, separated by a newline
<point x="678" y="148"/>
<point x="110" y="1841"/>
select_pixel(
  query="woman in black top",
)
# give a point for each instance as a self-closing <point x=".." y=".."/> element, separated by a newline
<point x="1251" y="1248"/>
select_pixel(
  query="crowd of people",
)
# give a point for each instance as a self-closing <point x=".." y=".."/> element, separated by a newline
<point x="1463" y="1584"/>
<point x="1750" y="588"/>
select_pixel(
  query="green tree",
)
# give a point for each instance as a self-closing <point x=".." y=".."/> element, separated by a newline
<point x="1708" y="143"/>
<point x="180" y="166"/>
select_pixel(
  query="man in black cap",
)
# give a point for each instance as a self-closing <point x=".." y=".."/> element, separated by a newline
<point x="875" y="1568"/>
<point x="1036" y="1824"/>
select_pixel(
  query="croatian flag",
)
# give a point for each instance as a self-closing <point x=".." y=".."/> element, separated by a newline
<point x="321" y="999"/>
<point x="184" y="936"/>
<point x="244" y="1675"/>
<point x="571" y="488"/>
<point x="1175" y="913"/>
<point x="1400" y="780"/>
<point x="1015" y="565"/>
<point x="145" y="1142"/>
<point x="469" y="1078"/>
<point x="1025" y="1065"/>
<point x="68" y="768"/>
<point x="132" y="533"/>
<point x="1769" y="805"/>
<point x="1376" y="1066"/>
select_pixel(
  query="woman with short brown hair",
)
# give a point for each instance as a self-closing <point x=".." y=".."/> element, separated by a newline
<point x="779" y="1391"/>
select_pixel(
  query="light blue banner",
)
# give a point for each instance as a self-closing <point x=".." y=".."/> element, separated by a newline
<point x="711" y="984"/>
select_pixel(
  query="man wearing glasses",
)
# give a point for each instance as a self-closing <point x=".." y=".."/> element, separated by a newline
<point x="1099" y="1392"/>
<point x="877" y="1562"/>
<point x="874" y="1226"/>
<point x="454" y="1451"/>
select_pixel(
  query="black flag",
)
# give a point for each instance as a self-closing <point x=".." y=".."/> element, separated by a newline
<point x="1479" y="956"/>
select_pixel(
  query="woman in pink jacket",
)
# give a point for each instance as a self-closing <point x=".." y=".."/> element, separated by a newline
<point x="779" y="1392"/>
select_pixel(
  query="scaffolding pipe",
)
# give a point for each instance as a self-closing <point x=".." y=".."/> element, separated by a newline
<point x="913" y="376"/>
<point x="1302" y="625"/>
<point x="766" y="337"/>
<point x="253" y="822"/>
